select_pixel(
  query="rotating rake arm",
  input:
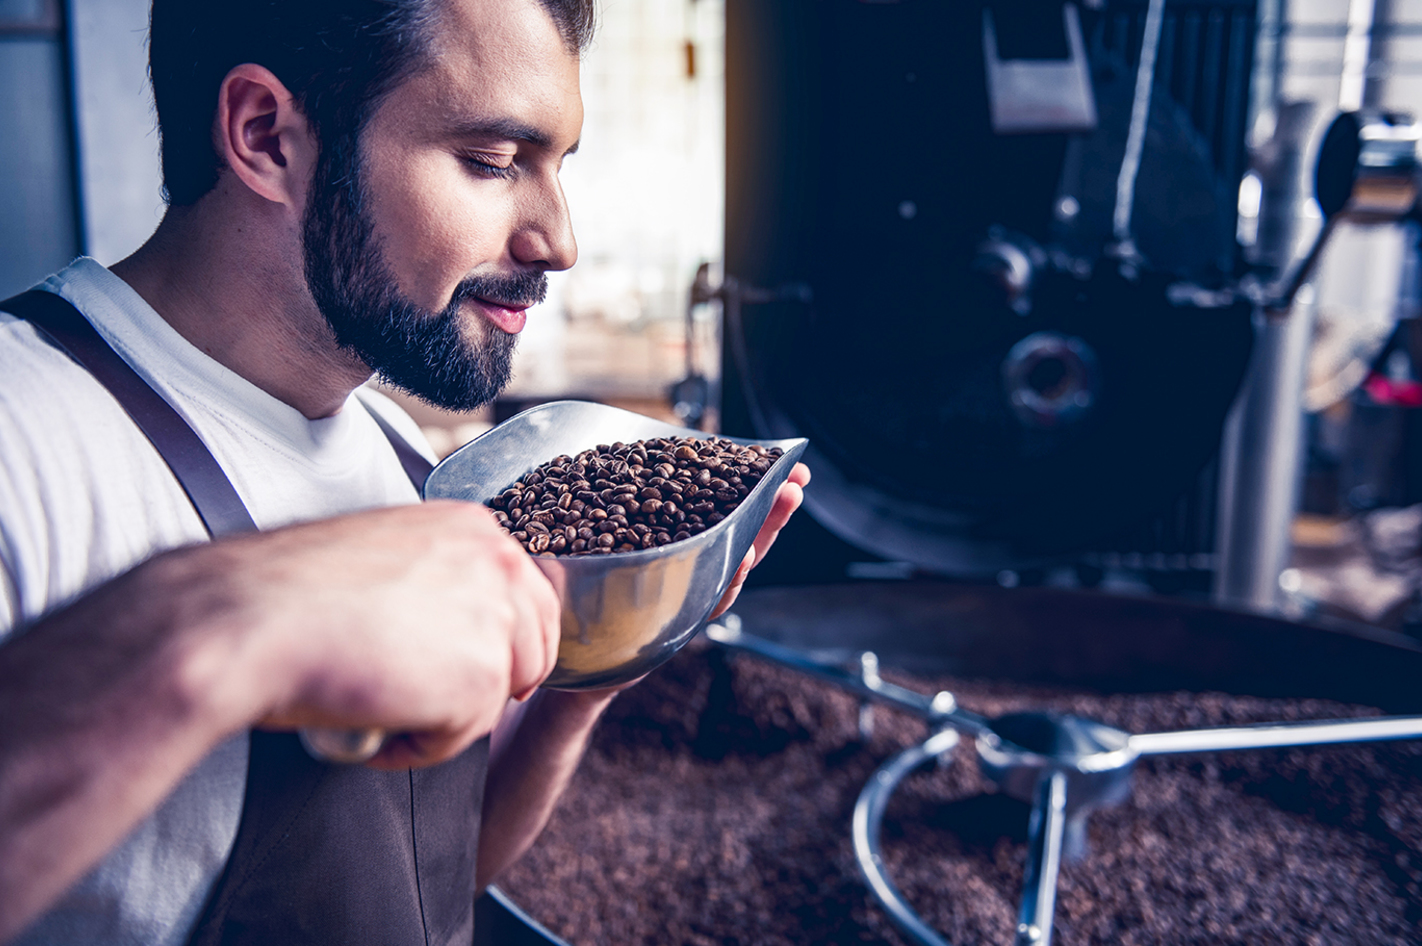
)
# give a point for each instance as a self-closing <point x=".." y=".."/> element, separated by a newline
<point x="1044" y="861"/>
<point x="1275" y="735"/>
<point x="940" y="710"/>
<point x="1094" y="767"/>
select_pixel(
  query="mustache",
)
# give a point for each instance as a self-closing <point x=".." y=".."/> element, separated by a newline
<point x="514" y="290"/>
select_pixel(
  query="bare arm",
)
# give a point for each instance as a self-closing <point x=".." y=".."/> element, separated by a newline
<point x="537" y="745"/>
<point x="422" y="619"/>
<point x="535" y="751"/>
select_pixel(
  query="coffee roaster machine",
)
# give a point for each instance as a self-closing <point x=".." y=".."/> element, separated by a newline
<point x="977" y="258"/>
<point x="983" y="256"/>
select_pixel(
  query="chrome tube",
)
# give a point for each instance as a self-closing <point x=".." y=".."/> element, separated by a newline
<point x="940" y="710"/>
<point x="1044" y="862"/>
<point x="869" y="818"/>
<point x="1259" y="477"/>
<point x="1276" y="735"/>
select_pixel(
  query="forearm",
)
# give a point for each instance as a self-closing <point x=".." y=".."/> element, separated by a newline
<point x="99" y="726"/>
<point x="535" y="751"/>
<point x="415" y="619"/>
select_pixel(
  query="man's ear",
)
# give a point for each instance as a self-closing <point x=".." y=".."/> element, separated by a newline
<point x="262" y="137"/>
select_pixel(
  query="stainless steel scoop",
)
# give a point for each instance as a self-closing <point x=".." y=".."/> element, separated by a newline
<point x="623" y="613"/>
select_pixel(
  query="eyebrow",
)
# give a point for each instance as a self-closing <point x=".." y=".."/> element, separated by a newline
<point x="508" y="129"/>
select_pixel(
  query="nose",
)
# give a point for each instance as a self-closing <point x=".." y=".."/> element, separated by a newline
<point x="544" y="238"/>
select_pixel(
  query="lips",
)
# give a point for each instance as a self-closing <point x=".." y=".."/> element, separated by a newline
<point x="508" y="316"/>
<point x="501" y="298"/>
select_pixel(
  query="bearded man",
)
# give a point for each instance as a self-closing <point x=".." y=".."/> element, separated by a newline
<point x="354" y="187"/>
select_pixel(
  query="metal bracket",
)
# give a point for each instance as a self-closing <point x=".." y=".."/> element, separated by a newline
<point x="1035" y="95"/>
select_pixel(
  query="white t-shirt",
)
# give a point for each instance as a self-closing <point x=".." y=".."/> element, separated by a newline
<point x="84" y="497"/>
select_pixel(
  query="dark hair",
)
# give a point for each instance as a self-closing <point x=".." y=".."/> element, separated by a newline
<point x="337" y="57"/>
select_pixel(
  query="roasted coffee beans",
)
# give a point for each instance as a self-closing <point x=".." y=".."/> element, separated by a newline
<point x="623" y="497"/>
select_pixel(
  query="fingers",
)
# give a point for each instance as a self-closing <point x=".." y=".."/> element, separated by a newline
<point x="734" y="589"/>
<point x="787" y="499"/>
<point x="421" y="620"/>
<point x="536" y="627"/>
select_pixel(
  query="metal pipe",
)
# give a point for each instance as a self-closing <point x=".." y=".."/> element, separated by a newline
<point x="1136" y="134"/>
<point x="941" y="709"/>
<point x="1273" y="735"/>
<point x="1262" y="448"/>
<point x="1044" y="862"/>
<point x="869" y="818"/>
<point x="1261" y="445"/>
<point x="1279" y="298"/>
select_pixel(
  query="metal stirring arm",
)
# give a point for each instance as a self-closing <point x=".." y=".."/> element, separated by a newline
<point x="1045" y="846"/>
<point x="1049" y="818"/>
<point x="1049" y="822"/>
<point x="869" y="818"/>
<point x="1275" y="735"/>
<point x="1044" y="861"/>
<point x="940" y="710"/>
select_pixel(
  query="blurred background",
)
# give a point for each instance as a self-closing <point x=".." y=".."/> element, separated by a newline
<point x="79" y="174"/>
<point x="1024" y="316"/>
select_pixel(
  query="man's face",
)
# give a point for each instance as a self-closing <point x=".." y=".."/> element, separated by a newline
<point x="423" y="250"/>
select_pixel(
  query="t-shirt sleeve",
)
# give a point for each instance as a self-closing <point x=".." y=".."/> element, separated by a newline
<point x="9" y="587"/>
<point x="21" y="545"/>
<point x="9" y="594"/>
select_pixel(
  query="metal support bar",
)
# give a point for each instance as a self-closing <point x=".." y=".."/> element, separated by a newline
<point x="1044" y="862"/>
<point x="941" y="709"/>
<point x="869" y="817"/>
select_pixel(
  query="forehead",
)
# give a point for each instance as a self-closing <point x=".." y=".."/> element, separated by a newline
<point x="497" y="60"/>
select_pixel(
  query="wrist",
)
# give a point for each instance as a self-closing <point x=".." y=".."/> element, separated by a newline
<point x="572" y="706"/>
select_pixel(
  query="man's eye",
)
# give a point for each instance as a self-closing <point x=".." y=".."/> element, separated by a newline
<point x="482" y="164"/>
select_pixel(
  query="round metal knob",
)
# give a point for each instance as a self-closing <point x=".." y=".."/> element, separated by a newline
<point x="1368" y="165"/>
<point x="1050" y="379"/>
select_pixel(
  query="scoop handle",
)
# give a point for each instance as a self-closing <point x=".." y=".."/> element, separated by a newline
<point x="345" y="746"/>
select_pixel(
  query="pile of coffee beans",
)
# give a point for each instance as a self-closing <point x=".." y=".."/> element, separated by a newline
<point x="623" y="497"/>
<point x="715" y="802"/>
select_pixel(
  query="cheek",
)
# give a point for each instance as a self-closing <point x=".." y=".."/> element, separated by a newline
<point x="436" y="227"/>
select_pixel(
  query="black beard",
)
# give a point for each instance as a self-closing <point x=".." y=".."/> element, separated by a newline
<point x="422" y="352"/>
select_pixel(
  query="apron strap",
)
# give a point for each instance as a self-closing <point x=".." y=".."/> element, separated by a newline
<point x="417" y="466"/>
<point x="217" y="503"/>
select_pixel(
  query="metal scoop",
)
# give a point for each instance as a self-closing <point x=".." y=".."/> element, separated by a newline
<point x="623" y="613"/>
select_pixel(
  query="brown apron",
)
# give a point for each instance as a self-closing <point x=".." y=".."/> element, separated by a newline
<point x="325" y="854"/>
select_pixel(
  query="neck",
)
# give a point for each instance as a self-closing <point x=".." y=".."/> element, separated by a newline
<point x="233" y="286"/>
